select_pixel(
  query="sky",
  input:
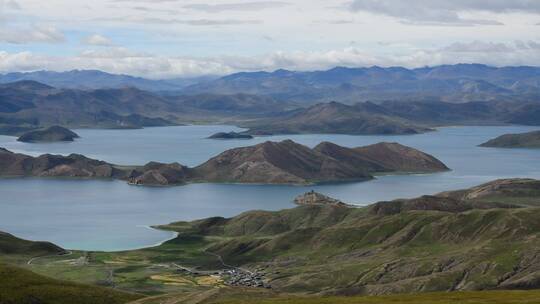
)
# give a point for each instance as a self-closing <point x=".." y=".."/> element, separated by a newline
<point x="185" y="38"/>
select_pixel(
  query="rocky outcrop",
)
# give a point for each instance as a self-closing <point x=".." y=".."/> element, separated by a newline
<point x="230" y="135"/>
<point x="52" y="134"/>
<point x="523" y="140"/>
<point x="158" y="174"/>
<point x="314" y="198"/>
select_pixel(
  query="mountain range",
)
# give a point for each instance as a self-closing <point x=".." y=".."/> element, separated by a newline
<point x="94" y="79"/>
<point x="28" y="105"/>
<point x="451" y="83"/>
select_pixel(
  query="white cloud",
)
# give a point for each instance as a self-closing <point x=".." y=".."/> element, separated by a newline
<point x="124" y="61"/>
<point x="11" y="5"/>
<point x="478" y="47"/>
<point x="444" y="11"/>
<point x="245" y="6"/>
<point x="34" y="34"/>
<point x="98" y="40"/>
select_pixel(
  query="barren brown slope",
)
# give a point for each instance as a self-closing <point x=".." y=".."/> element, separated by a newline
<point x="400" y="158"/>
<point x="383" y="157"/>
<point x="277" y="162"/>
<point x="74" y="165"/>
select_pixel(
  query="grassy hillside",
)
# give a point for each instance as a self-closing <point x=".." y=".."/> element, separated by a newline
<point x="10" y="244"/>
<point x="432" y="243"/>
<point x="243" y="296"/>
<point x="20" y="286"/>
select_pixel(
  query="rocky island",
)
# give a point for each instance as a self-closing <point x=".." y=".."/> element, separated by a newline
<point x="522" y="140"/>
<point x="284" y="162"/>
<point x="230" y="135"/>
<point x="51" y="134"/>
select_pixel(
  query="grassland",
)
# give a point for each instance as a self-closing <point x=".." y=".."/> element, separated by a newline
<point x="247" y="296"/>
<point x="20" y="286"/>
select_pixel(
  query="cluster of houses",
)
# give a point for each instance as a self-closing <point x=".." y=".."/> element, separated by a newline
<point x="238" y="277"/>
<point x="231" y="276"/>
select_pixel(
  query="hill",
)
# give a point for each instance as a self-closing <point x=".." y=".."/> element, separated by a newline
<point x="445" y="242"/>
<point x="10" y="244"/>
<point x="283" y="162"/>
<point x="51" y="134"/>
<point x="20" y="286"/>
<point x="47" y="165"/>
<point x="523" y="140"/>
<point x="289" y="162"/>
<point x="335" y="118"/>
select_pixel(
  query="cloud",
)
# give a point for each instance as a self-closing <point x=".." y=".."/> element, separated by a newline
<point x="11" y="5"/>
<point x="97" y="40"/>
<point x="170" y="21"/>
<point x="478" y="46"/>
<point x="443" y="12"/>
<point x="124" y="61"/>
<point x="34" y="34"/>
<point x="245" y="6"/>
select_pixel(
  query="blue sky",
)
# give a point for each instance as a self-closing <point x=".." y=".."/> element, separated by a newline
<point x="182" y="38"/>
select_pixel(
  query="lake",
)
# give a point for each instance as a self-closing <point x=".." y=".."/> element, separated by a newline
<point x="111" y="215"/>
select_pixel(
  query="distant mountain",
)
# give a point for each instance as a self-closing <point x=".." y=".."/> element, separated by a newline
<point x="523" y="140"/>
<point x="454" y="83"/>
<point x="30" y="105"/>
<point x="336" y="118"/>
<point x="93" y="79"/>
<point x="27" y="105"/>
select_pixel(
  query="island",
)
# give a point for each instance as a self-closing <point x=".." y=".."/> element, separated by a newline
<point x="521" y="140"/>
<point x="285" y="162"/>
<point x="51" y="134"/>
<point x="230" y="135"/>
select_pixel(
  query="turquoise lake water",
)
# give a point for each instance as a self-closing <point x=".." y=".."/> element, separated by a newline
<point x="111" y="215"/>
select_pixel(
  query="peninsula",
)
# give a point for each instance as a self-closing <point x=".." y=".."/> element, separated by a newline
<point x="284" y="162"/>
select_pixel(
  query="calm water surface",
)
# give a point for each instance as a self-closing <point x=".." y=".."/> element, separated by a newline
<point x="111" y="215"/>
